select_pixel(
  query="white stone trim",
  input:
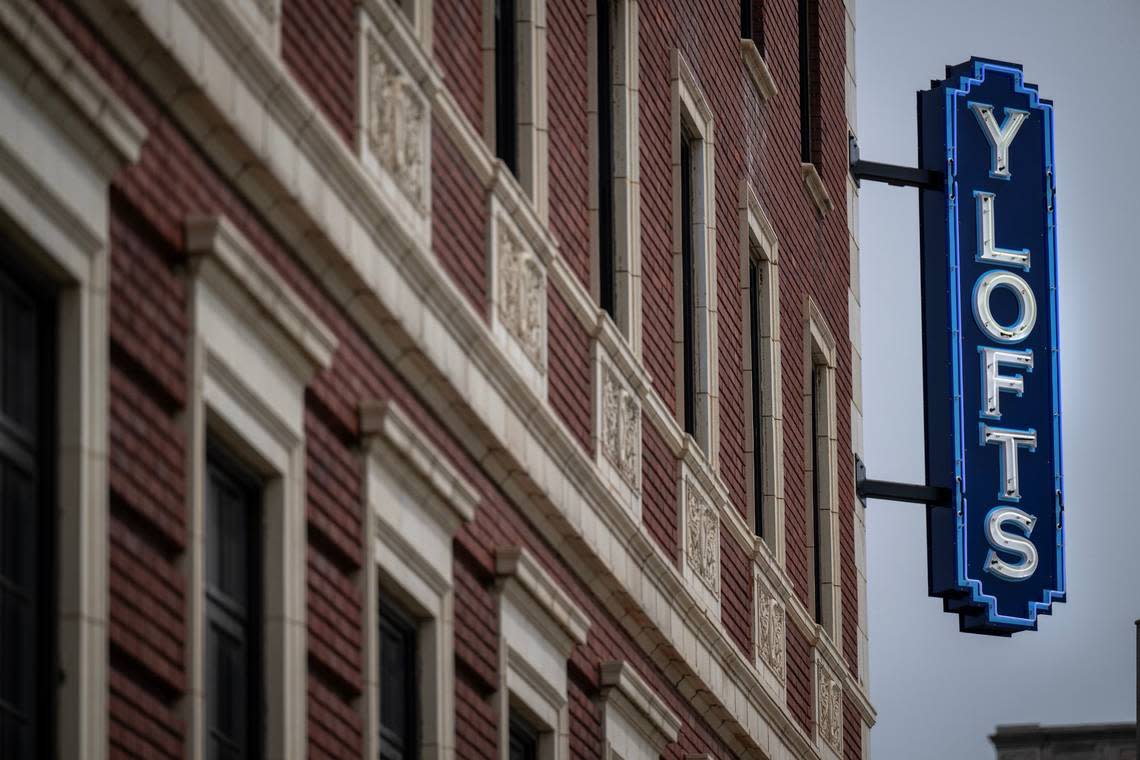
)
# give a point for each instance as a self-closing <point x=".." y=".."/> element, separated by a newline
<point x="626" y="139"/>
<point x="758" y="70"/>
<point x="828" y="692"/>
<point x="638" y="724"/>
<point x="393" y="124"/>
<point x="758" y="244"/>
<point x="65" y="135"/>
<point x="617" y="421"/>
<point x="533" y="128"/>
<point x="770" y="633"/>
<point x="261" y="17"/>
<point x="692" y="114"/>
<point x="254" y="348"/>
<point x="815" y="188"/>
<point x="538" y="627"/>
<point x="854" y="320"/>
<point x="820" y="351"/>
<point x="415" y="14"/>
<point x="414" y="501"/>
<point x="699" y="525"/>
<point x="516" y="288"/>
<point x="343" y="230"/>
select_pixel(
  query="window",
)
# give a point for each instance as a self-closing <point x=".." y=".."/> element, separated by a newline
<point x="615" y="237"/>
<point x="506" y="85"/>
<point x="234" y="697"/>
<point x="752" y="22"/>
<point x="539" y="626"/>
<point x="605" y="129"/>
<point x="822" y="518"/>
<point x="523" y="739"/>
<point x="757" y="400"/>
<point x="245" y="555"/>
<point x="809" y="86"/>
<point x="514" y="105"/>
<point x="399" y="692"/>
<point x="760" y="350"/>
<point x="816" y="498"/>
<point x="688" y="298"/>
<point x="27" y="592"/>
<point x="694" y="264"/>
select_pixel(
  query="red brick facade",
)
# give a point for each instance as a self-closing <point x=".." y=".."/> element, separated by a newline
<point x="149" y="328"/>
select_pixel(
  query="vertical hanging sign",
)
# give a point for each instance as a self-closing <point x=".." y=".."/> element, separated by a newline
<point x="993" y="414"/>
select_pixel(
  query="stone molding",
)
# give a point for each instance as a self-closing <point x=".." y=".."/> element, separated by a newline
<point x="387" y="420"/>
<point x="770" y="629"/>
<point x="514" y="563"/>
<point x="622" y="687"/>
<point x="216" y="238"/>
<point x="815" y="188"/>
<point x="758" y="70"/>
<point x="829" y="708"/>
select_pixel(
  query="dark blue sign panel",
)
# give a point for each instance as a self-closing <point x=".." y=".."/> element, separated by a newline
<point x="993" y="410"/>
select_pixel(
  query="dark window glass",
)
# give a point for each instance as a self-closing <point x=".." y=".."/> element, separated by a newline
<point x="234" y="699"/>
<point x="807" y="20"/>
<point x="752" y="22"/>
<point x="606" y="243"/>
<point x="506" y="85"/>
<point x="688" y="304"/>
<point x="816" y="501"/>
<point x="757" y="409"/>
<point x="27" y="584"/>
<point x="523" y="740"/>
<point x="399" y="694"/>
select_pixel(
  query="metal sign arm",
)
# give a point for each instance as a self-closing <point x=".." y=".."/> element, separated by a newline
<point x="898" y="176"/>
<point x="891" y="491"/>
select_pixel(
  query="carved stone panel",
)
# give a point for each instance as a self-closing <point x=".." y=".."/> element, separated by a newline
<point x="770" y="637"/>
<point x="621" y="427"/>
<point x="521" y="298"/>
<point x="702" y="536"/>
<point x="829" y="701"/>
<point x="396" y="123"/>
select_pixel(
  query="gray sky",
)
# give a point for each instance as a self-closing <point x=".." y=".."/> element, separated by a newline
<point x="939" y="692"/>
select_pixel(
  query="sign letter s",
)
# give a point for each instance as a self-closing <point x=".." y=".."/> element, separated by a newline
<point x="1011" y="544"/>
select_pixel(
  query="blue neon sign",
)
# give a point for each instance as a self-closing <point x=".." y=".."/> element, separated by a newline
<point x="990" y="359"/>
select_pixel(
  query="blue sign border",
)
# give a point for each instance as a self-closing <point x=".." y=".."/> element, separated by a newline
<point x="978" y="610"/>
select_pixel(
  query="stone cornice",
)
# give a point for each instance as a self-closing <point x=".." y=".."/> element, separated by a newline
<point x="215" y="237"/>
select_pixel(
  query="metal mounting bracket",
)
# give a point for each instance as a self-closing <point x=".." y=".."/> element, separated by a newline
<point x="898" y="176"/>
<point x="891" y="491"/>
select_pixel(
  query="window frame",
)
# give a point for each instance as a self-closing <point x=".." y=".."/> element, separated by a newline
<point x="530" y="102"/>
<point x="615" y="193"/>
<point x="240" y="306"/>
<point x="821" y="474"/>
<point x="408" y="481"/>
<point x="539" y="625"/>
<point x="693" y="121"/>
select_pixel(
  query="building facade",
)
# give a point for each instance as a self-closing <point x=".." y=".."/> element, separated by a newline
<point x="1087" y="741"/>
<point x="433" y="378"/>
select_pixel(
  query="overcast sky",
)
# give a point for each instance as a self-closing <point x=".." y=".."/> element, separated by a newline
<point x="940" y="693"/>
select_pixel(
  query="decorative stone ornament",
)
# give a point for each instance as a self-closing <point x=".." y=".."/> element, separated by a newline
<point x="395" y="123"/>
<point x="770" y="618"/>
<point x="521" y="303"/>
<point x="702" y="536"/>
<point x="829" y="707"/>
<point x="621" y="427"/>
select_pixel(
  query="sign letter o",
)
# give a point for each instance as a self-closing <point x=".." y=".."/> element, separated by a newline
<point x="1027" y="306"/>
